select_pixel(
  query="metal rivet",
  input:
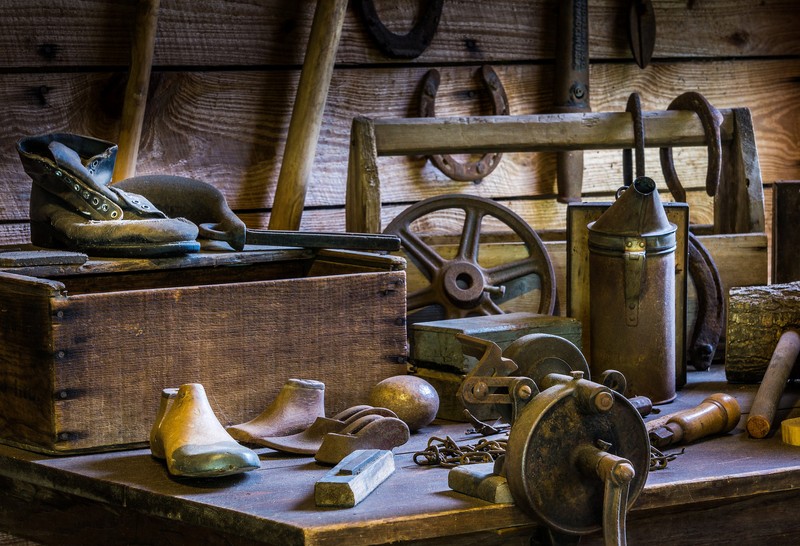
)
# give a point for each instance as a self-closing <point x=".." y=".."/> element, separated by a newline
<point x="58" y="173"/>
<point x="62" y="394"/>
<point x="61" y="354"/>
<point x="86" y="195"/>
<point x="104" y="208"/>
<point x="76" y="187"/>
<point x="60" y="314"/>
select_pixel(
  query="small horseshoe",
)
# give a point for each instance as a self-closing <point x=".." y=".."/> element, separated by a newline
<point x="467" y="171"/>
<point x="634" y="106"/>
<point x="712" y="120"/>
<point x="402" y="46"/>
<point x="710" y="321"/>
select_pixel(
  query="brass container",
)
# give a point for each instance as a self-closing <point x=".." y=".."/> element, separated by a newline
<point x="632" y="292"/>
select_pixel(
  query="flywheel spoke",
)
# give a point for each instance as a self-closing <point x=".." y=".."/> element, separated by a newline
<point x="422" y="298"/>
<point x="504" y="273"/>
<point x="471" y="235"/>
<point x="421" y="253"/>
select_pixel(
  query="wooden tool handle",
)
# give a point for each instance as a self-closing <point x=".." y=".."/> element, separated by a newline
<point x="309" y="105"/>
<point x="142" y="49"/>
<point x="717" y="414"/>
<point x="769" y="392"/>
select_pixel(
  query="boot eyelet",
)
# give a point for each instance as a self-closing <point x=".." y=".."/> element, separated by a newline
<point x="58" y="173"/>
<point x="145" y="206"/>
<point x="76" y="187"/>
<point x="114" y="214"/>
<point x="95" y="201"/>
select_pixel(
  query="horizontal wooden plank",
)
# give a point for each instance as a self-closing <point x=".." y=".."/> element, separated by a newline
<point x="229" y="128"/>
<point x="275" y="32"/>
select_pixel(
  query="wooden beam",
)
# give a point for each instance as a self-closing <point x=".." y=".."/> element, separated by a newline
<point x="538" y="133"/>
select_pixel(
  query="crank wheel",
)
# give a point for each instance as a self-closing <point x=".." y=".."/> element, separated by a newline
<point x="540" y="462"/>
<point x="461" y="286"/>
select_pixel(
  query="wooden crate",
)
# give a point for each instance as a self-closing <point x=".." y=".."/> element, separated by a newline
<point x="85" y="350"/>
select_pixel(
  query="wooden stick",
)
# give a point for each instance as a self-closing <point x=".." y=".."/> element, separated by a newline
<point x="309" y="105"/>
<point x="772" y="386"/>
<point x="144" y="39"/>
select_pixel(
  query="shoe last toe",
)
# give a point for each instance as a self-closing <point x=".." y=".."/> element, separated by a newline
<point x="211" y="460"/>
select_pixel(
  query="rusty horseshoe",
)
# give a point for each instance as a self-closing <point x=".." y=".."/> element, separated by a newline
<point x="712" y="120"/>
<point x="634" y="106"/>
<point x="710" y="319"/>
<point x="467" y="171"/>
<point x="402" y="46"/>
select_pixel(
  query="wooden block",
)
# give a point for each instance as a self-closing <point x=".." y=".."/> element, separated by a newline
<point x="84" y="354"/>
<point x="785" y="235"/>
<point x="434" y="345"/>
<point x="479" y="480"/>
<point x="757" y="316"/>
<point x="355" y="477"/>
<point x="28" y="258"/>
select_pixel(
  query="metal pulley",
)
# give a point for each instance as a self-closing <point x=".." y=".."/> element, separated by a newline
<point x="578" y="452"/>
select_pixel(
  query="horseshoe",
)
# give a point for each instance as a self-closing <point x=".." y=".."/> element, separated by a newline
<point x="402" y="46"/>
<point x="710" y="305"/>
<point x="634" y="106"/>
<point x="467" y="171"/>
<point x="461" y="286"/>
<point x="710" y="295"/>
<point x="712" y="120"/>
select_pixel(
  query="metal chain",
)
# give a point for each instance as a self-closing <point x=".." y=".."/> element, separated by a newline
<point x="659" y="460"/>
<point x="445" y="452"/>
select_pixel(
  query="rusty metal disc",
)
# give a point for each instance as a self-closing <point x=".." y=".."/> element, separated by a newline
<point x="540" y="458"/>
<point x="460" y="285"/>
<point x="537" y="355"/>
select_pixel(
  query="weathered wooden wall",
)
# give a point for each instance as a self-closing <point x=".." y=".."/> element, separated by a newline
<point x="225" y="75"/>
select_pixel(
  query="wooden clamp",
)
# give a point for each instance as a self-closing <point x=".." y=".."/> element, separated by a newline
<point x="355" y="477"/>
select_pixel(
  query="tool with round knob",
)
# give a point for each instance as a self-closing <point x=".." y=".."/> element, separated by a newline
<point x="578" y="452"/>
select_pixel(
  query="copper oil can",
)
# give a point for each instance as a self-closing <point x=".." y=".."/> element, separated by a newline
<point x="632" y="292"/>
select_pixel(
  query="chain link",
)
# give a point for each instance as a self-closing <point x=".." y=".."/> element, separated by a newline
<point x="445" y="452"/>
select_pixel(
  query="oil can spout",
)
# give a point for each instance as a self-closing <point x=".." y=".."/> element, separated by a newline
<point x="638" y="212"/>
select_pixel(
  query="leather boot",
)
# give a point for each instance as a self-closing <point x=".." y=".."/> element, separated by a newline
<point x="73" y="205"/>
<point x="189" y="437"/>
<point x="296" y="407"/>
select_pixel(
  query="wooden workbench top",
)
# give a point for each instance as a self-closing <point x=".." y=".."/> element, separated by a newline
<point x="276" y="503"/>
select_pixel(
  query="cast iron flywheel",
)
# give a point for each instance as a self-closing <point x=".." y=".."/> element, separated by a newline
<point x="461" y="285"/>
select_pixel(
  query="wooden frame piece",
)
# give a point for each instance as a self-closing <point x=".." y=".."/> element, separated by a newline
<point x="739" y="203"/>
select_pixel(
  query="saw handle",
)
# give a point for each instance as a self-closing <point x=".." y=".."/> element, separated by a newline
<point x="717" y="414"/>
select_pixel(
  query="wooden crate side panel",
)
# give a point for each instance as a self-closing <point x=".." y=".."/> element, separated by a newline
<point x="242" y="342"/>
<point x="275" y="32"/>
<point x="27" y="360"/>
<point x="228" y="128"/>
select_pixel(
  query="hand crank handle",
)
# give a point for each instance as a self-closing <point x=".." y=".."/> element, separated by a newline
<point x="616" y="473"/>
<point x="309" y="239"/>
